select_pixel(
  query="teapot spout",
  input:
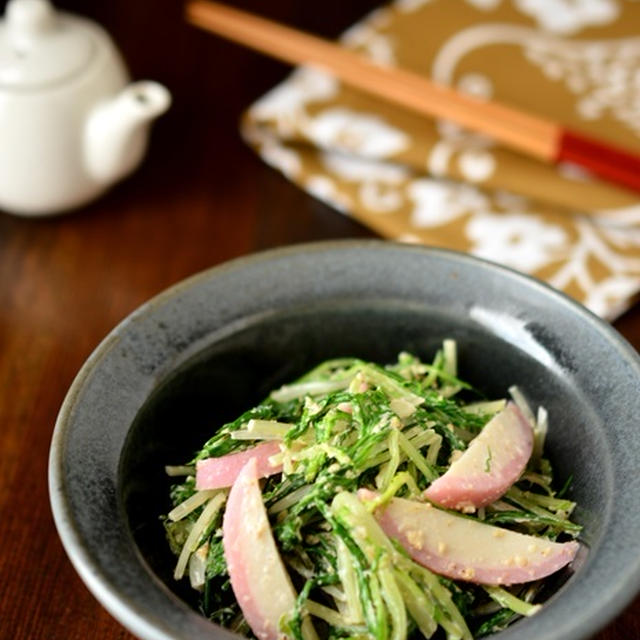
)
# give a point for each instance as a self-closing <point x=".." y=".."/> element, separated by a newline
<point x="117" y="130"/>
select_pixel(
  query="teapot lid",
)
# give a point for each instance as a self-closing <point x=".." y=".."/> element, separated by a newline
<point x="39" y="46"/>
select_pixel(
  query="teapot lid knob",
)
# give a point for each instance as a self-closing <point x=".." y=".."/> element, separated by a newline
<point x="27" y="19"/>
<point x="40" y="46"/>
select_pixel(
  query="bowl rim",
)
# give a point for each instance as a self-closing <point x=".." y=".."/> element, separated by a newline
<point x="125" y="610"/>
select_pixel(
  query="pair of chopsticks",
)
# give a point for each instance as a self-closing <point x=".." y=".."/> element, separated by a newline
<point x="524" y="132"/>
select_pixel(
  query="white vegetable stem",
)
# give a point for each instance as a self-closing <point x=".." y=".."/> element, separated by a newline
<point x="199" y="528"/>
<point x="191" y="504"/>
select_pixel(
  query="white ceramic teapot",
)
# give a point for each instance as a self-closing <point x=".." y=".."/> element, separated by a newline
<point x="70" y="124"/>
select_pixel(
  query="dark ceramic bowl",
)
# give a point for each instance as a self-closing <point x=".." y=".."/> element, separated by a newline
<point x="210" y="347"/>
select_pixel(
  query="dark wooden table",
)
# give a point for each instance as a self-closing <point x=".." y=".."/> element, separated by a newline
<point x="201" y="198"/>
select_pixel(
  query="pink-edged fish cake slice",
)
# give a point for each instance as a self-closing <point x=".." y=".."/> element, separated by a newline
<point x="461" y="548"/>
<point x="219" y="473"/>
<point x="259" y="579"/>
<point x="494" y="460"/>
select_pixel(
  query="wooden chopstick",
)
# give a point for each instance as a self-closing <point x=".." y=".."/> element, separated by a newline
<point x="524" y="132"/>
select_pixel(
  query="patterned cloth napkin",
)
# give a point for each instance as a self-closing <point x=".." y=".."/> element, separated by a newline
<point x="426" y="181"/>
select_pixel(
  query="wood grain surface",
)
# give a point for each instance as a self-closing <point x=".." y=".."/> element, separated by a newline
<point x="201" y="197"/>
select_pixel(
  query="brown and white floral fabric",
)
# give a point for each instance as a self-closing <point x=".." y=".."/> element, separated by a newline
<point x="427" y="181"/>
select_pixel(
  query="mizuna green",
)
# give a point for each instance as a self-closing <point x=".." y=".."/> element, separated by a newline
<point x="368" y="501"/>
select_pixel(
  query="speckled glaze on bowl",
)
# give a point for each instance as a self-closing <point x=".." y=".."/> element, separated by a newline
<point x="213" y="345"/>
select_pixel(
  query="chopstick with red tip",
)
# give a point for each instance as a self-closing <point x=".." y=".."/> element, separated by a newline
<point x="524" y="132"/>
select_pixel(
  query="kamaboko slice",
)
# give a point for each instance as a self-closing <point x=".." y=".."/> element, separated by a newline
<point x="495" y="459"/>
<point x="461" y="548"/>
<point x="259" y="579"/>
<point x="218" y="473"/>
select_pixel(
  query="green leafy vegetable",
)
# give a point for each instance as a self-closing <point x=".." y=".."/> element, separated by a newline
<point x="346" y="425"/>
